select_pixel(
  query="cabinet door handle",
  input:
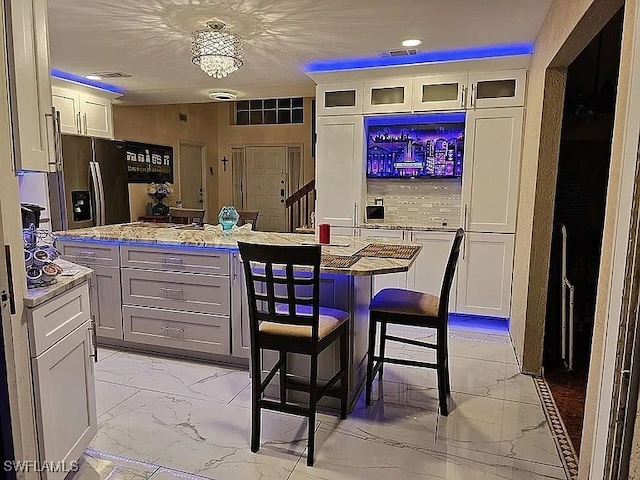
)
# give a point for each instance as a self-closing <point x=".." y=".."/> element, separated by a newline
<point x="173" y="332"/>
<point x="464" y="95"/>
<point x="173" y="293"/>
<point x="84" y="117"/>
<point x="466" y="214"/>
<point x="78" y="123"/>
<point x="94" y="336"/>
<point x="171" y="260"/>
<point x="473" y="94"/>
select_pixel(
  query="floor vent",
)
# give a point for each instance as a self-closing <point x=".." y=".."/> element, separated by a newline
<point x="403" y="52"/>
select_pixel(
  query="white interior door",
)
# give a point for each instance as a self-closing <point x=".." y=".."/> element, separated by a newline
<point x="267" y="189"/>
<point x="191" y="187"/>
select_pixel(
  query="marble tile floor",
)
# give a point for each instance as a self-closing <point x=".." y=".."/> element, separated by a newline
<point x="164" y="419"/>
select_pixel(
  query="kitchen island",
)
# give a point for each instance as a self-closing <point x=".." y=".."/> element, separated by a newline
<point x="179" y="290"/>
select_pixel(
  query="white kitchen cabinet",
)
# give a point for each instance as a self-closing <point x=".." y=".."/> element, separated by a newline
<point x="484" y="274"/>
<point x="240" y="339"/>
<point x="497" y="89"/>
<point x="440" y="92"/>
<point x="340" y="170"/>
<point x="106" y="301"/>
<point x="388" y="95"/>
<point x="387" y="280"/>
<point x="493" y="147"/>
<point x="30" y="85"/>
<point x="339" y="98"/>
<point x="64" y="387"/>
<point x="83" y="113"/>
<point x="427" y="272"/>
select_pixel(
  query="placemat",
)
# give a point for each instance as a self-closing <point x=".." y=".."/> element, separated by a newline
<point x="338" y="261"/>
<point x="402" y="252"/>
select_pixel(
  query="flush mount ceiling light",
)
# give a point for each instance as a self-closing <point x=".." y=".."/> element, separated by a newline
<point x="411" y="42"/>
<point x="215" y="51"/>
<point x="222" y="95"/>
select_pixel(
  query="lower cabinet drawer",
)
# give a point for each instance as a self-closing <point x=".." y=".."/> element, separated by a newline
<point x="198" y="332"/>
<point x="177" y="291"/>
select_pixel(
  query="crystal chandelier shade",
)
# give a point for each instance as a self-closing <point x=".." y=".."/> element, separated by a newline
<point x="216" y="52"/>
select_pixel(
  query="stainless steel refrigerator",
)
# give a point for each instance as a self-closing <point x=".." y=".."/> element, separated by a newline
<point x="90" y="187"/>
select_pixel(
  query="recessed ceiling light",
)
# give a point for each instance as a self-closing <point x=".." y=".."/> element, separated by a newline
<point x="225" y="95"/>
<point x="93" y="77"/>
<point x="411" y="42"/>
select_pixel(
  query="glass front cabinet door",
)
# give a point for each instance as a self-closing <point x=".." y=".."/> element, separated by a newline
<point x="440" y="92"/>
<point x="339" y="98"/>
<point x="388" y="95"/>
<point x="497" y="89"/>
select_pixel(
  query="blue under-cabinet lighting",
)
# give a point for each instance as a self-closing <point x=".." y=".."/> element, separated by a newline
<point x="471" y="53"/>
<point x="85" y="81"/>
<point x="421" y="118"/>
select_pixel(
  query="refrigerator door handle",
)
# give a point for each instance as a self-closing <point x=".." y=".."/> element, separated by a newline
<point x="96" y="193"/>
<point x="101" y="193"/>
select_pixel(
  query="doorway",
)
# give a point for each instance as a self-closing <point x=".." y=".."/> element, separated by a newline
<point x="192" y="168"/>
<point x="579" y="215"/>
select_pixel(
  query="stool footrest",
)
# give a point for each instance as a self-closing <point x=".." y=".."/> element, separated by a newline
<point x="284" y="407"/>
<point x="411" y="342"/>
<point x="399" y="361"/>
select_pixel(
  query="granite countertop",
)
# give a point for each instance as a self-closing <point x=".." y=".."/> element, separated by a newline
<point x="37" y="296"/>
<point x="166" y="234"/>
<point x="396" y="226"/>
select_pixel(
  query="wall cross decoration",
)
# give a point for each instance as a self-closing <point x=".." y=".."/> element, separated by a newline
<point x="224" y="163"/>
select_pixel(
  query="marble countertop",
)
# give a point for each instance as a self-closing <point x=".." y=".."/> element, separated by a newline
<point x="396" y="226"/>
<point x="37" y="296"/>
<point x="211" y="237"/>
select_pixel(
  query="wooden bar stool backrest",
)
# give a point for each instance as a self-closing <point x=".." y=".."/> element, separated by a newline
<point x="248" y="217"/>
<point x="186" y="215"/>
<point x="449" y="272"/>
<point x="282" y="281"/>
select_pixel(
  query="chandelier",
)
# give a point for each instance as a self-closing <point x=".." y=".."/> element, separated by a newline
<point x="218" y="53"/>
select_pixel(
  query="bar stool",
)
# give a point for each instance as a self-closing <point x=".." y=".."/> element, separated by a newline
<point x="405" y="307"/>
<point x="284" y="317"/>
<point x="185" y="215"/>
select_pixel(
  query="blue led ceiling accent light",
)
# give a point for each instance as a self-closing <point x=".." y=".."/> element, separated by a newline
<point x="85" y="81"/>
<point x="408" y="118"/>
<point x="472" y="53"/>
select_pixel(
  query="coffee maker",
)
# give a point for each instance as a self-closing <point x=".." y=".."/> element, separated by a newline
<point x="30" y="214"/>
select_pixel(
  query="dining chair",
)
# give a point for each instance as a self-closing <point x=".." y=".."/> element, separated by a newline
<point x="283" y="290"/>
<point x="398" y="306"/>
<point x="248" y="217"/>
<point x="186" y="215"/>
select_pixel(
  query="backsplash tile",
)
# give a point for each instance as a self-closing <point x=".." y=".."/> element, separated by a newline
<point x="423" y="202"/>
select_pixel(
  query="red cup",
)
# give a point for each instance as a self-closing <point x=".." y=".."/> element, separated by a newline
<point x="324" y="233"/>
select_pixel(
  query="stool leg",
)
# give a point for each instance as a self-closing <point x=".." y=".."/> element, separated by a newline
<point x="443" y="381"/>
<point x="283" y="378"/>
<point x="383" y="342"/>
<point x="313" y="390"/>
<point x="256" y="395"/>
<point x="344" y="378"/>
<point x="370" y="354"/>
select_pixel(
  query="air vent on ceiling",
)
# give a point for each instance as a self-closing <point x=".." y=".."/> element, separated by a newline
<point x="112" y="74"/>
<point x="403" y="52"/>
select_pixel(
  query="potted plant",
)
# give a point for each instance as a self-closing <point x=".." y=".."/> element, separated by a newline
<point x="159" y="191"/>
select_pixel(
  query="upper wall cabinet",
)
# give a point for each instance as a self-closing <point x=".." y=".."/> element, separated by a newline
<point x="440" y="92"/>
<point x="497" y="89"/>
<point x="388" y="95"/>
<point x="339" y="98"/>
<point x="83" y="113"/>
<point x="30" y="84"/>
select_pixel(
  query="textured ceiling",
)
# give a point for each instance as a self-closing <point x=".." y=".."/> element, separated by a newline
<point x="149" y="39"/>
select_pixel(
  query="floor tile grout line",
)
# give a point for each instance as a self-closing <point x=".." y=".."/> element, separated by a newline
<point x="121" y="401"/>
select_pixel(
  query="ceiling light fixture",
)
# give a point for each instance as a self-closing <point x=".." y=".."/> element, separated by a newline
<point x="222" y="95"/>
<point x="411" y="42"/>
<point x="216" y="52"/>
<point x="93" y="77"/>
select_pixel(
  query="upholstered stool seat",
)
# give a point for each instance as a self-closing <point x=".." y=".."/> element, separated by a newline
<point x="329" y="320"/>
<point x="397" y="300"/>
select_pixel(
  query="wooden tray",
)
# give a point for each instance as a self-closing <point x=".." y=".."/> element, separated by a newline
<point x="401" y="252"/>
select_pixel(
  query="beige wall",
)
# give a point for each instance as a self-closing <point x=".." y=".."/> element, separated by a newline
<point x="160" y="124"/>
<point x="210" y="124"/>
<point x="254" y="135"/>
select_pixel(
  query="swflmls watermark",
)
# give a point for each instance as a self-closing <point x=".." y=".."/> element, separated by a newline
<point x="34" y="466"/>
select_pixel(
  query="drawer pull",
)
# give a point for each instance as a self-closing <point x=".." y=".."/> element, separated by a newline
<point x="172" y="260"/>
<point x="173" y="332"/>
<point x="175" y="294"/>
<point x="85" y="253"/>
